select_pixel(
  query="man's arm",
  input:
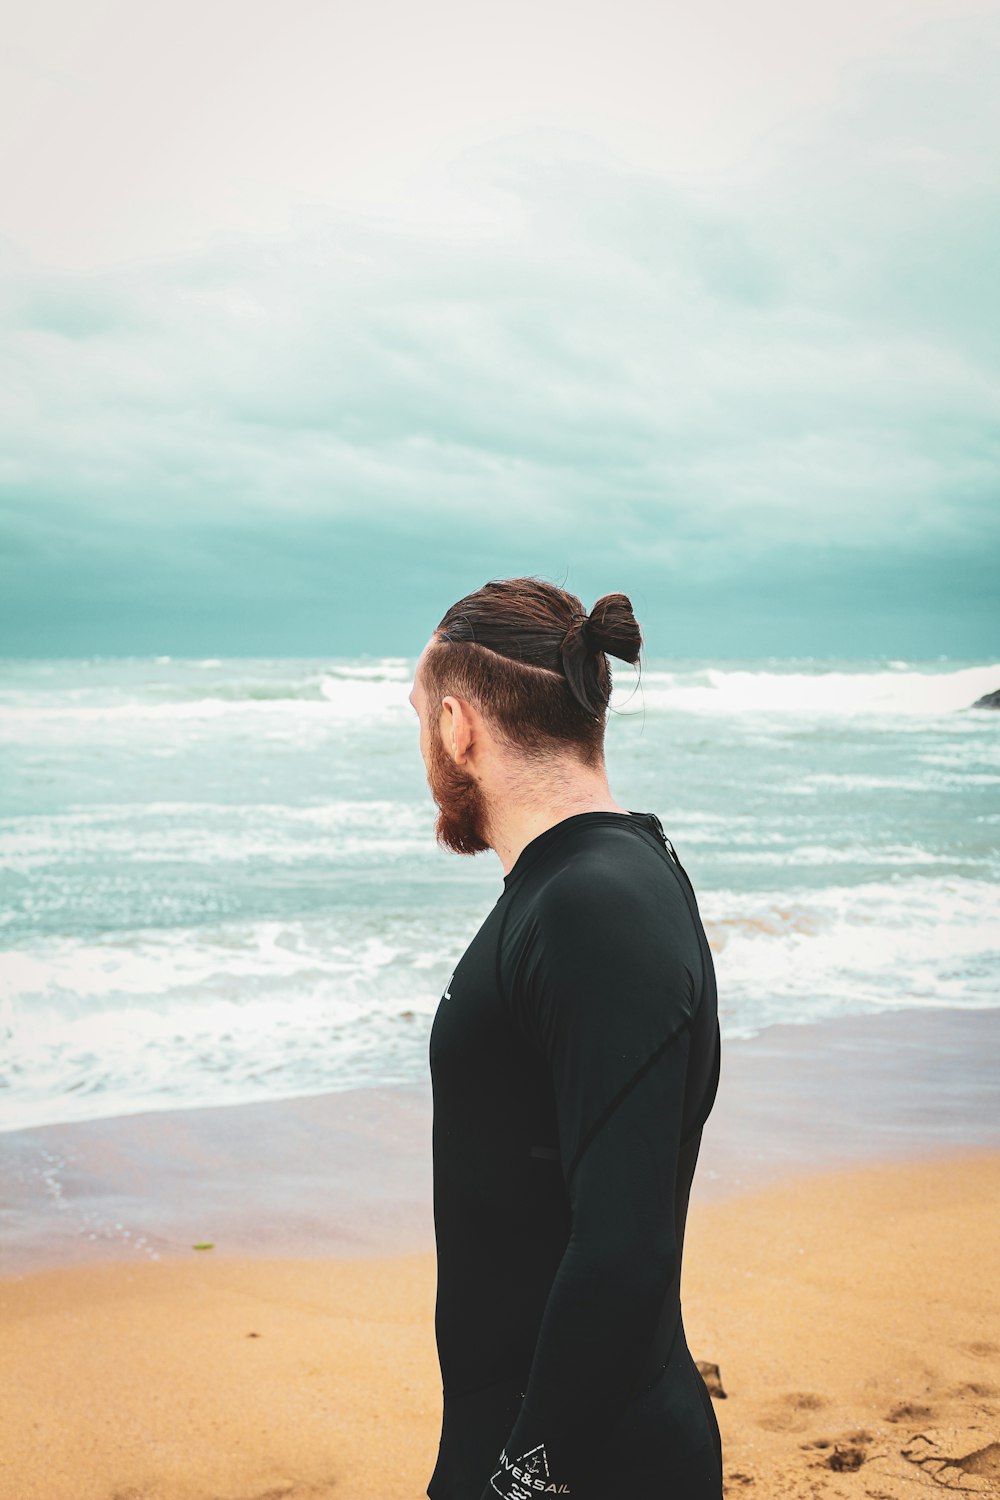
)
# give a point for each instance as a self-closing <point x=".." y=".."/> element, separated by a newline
<point x="608" y="1002"/>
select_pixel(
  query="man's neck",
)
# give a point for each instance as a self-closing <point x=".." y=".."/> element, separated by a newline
<point x="513" y="826"/>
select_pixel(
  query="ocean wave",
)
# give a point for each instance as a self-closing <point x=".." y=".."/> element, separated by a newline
<point x="845" y="949"/>
<point x="207" y="835"/>
<point x="213" y="688"/>
<point x="263" y="1009"/>
<point x="867" y="857"/>
<point x="894" y="694"/>
<point x="213" y="1013"/>
<point x="210" y="688"/>
<point x="333" y="698"/>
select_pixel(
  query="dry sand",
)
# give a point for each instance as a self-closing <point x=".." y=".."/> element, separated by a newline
<point x="853" y="1315"/>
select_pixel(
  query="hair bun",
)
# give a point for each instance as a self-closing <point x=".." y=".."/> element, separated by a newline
<point x="611" y="626"/>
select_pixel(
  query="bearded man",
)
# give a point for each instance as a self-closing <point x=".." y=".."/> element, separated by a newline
<point x="574" y="1058"/>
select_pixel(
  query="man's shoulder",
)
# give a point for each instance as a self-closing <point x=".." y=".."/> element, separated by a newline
<point x="601" y="869"/>
<point x="609" y="913"/>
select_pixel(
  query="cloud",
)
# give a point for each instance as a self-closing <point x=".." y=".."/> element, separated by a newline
<point x="797" y="360"/>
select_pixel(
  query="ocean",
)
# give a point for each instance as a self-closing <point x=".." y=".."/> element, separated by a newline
<point x="219" y="880"/>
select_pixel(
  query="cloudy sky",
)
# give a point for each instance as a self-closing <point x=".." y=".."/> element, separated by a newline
<point x="316" y="316"/>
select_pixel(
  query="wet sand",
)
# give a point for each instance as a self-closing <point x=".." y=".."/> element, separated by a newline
<point x="841" y="1269"/>
<point x="350" y="1173"/>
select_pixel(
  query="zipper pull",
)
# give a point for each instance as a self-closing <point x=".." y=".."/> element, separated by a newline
<point x="666" y="842"/>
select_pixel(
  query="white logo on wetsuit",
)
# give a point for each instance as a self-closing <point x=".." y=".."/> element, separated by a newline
<point x="528" y="1477"/>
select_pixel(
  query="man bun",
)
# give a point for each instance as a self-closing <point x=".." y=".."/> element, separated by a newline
<point x="612" y="627"/>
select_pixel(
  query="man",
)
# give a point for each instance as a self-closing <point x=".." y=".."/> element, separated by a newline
<point x="574" y="1059"/>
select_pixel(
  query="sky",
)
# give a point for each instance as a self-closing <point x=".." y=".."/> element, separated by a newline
<point x="314" y="317"/>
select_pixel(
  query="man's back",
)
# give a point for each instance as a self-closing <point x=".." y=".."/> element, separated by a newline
<point x="574" y="1057"/>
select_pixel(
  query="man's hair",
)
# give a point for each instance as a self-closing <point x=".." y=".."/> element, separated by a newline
<point x="533" y="662"/>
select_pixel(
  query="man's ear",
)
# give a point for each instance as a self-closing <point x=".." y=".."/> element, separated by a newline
<point x="459" y="730"/>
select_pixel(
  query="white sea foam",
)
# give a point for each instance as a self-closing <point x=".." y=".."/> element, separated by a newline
<point x="207" y="690"/>
<point x="378" y="690"/>
<point x="844" y="950"/>
<point x="335" y="698"/>
<point x="251" y="1010"/>
<point x="360" y="833"/>
<point x="894" y="694"/>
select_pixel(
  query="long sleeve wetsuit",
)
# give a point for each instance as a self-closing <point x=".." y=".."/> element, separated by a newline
<point x="574" y="1057"/>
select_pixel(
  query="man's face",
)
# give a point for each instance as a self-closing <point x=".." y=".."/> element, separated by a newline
<point x="461" y="805"/>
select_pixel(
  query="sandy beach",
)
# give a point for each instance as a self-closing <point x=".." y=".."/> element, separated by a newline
<point x="843" y="1281"/>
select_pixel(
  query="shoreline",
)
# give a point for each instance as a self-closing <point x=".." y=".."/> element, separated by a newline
<point x="349" y="1172"/>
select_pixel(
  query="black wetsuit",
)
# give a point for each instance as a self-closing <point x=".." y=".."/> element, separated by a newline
<point x="574" y="1059"/>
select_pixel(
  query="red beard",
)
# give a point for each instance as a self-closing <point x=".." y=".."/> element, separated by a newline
<point x="461" y="821"/>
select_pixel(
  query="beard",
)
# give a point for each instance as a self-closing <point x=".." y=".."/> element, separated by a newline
<point x="462" y="809"/>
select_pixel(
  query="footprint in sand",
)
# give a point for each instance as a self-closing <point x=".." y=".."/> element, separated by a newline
<point x="790" y="1413"/>
<point x="973" y="1388"/>
<point x="956" y="1460"/>
<point x="909" y="1411"/>
<point x="843" y="1454"/>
